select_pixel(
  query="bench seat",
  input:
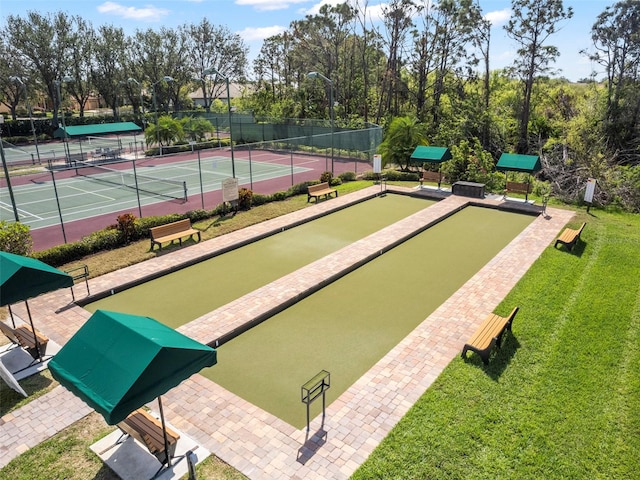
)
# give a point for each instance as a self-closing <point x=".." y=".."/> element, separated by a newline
<point x="320" y="190"/>
<point x="569" y="237"/>
<point x="172" y="231"/>
<point x="518" y="187"/>
<point x="489" y="334"/>
<point x="24" y="336"/>
<point x="147" y="430"/>
<point x="434" y="177"/>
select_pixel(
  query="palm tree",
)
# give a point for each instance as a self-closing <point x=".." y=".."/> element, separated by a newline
<point x="402" y="137"/>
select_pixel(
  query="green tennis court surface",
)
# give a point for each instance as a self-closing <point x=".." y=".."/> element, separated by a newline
<point x="351" y="324"/>
<point x="187" y="294"/>
<point x="98" y="193"/>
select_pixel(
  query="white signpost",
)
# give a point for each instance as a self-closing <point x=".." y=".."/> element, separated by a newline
<point x="589" y="191"/>
<point x="377" y="163"/>
<point x="230" y="192"/>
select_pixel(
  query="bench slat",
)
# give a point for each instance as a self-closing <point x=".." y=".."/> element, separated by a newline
<point x="172" y="231"/>
<point x="489" y="334"/>
<point x="147" y="429"/>
<point x="518" y="187"/>
<point x="569" y="237"/>
<point x="321" y="189"/>
<point x="23" y="336"/>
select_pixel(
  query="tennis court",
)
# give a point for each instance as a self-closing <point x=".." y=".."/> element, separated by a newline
<point x="80" y="193"/>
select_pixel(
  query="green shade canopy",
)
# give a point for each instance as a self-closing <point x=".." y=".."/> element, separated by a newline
<point x="24" y="277"/>
<point x="96" y="129"/>
<point x="518" y="163"/>
<point x="424" y="154"/>
<point x="118" y="362"/>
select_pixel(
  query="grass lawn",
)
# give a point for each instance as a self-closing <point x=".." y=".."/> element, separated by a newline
<point x="561" y="399"/>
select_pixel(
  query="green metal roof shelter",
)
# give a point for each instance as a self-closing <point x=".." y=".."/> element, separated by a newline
<point x="518" y="163"/>
<point x="117" y="362"/>
<point x="22" y="278"/>
<point x="513" y="162"/>
<point x="428" y="154"/>
<point x="96" y="129"/>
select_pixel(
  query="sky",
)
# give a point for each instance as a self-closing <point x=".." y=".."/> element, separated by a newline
<point x="255" y="20"/>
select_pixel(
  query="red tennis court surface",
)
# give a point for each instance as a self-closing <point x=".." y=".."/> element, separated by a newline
<point x="47" y="237"/>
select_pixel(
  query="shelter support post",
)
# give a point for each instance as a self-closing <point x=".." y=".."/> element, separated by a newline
<point x="164" y="432"/>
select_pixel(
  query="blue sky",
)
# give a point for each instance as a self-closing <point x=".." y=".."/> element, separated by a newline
<point x="255" y="20"/>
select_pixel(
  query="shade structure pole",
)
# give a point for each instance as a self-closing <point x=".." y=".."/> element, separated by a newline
<point x="33" y="330"/>
<point x="164" y="433"/>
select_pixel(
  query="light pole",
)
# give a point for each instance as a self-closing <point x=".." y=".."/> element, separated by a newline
<point x="210" y="71"/>
<point x="26" y="97"/>
<point x="65" y="79"/>
<point x="167" y="79"/>
<point x="134" y="81"/>
<point x="328" y="80"/>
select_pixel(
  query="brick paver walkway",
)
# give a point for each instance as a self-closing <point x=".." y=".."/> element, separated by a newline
<point x="250" y="439"/>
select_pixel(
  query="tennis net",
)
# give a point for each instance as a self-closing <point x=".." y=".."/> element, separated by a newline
<point x="151" y="185"/>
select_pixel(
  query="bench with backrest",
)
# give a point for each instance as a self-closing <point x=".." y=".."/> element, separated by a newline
<point x="489" y="335"/>
<point x="172" y="231"/>
<point x="569" y="237"/>
<point x="23" y="336"/>
<point x="147" y="430"/>
<point x="319" y="190"/>
<point x="518" y="187"/>
<point x="434" y="177"/>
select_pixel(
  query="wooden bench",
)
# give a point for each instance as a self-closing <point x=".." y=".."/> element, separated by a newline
<point x="517" y="187"/>
<point x="24" y="337"/>
<point x="319" y="190"/>
<point x="489" y="335"/>
<point x="172" y="231"/>
<point x="569" y="237"/>
<point x="147" y="430"/>
<point x="434" y="177"/>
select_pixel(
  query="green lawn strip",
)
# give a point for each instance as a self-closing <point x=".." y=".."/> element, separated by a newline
<point x="34" y="386"/>
<point x="64" y="456"/>
<point x="560" y="399"/>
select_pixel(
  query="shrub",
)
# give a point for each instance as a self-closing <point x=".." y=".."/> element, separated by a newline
<point x="244" y="198"/>
<point x="62" y="254"/>
<point x="298" y="189"/>
<point x="127" y="227"/>
<point x="326" y="177"/>
<point x="279" y="196"/>
<point x="259" y="199"/>
<point x="348" y="176"/>
<point x="15" y="238"/>
<point x="392" y="175"/>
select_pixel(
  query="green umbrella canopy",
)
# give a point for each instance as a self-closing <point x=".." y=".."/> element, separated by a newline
<point x="423" y="153"/>
<point x="518" y="163"/>
<point x="118" y="362"/>
<point x="23" y="277"/>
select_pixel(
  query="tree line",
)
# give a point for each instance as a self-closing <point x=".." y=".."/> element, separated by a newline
<point x="427" y="61"/>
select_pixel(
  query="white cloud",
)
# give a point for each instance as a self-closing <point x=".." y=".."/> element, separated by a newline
<point x="269" y="4"/>
<point x="255" y="34"/>
<point x="147" y="13"/>
<point x="498" y="17"/>
<point x="314" y="10"/>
